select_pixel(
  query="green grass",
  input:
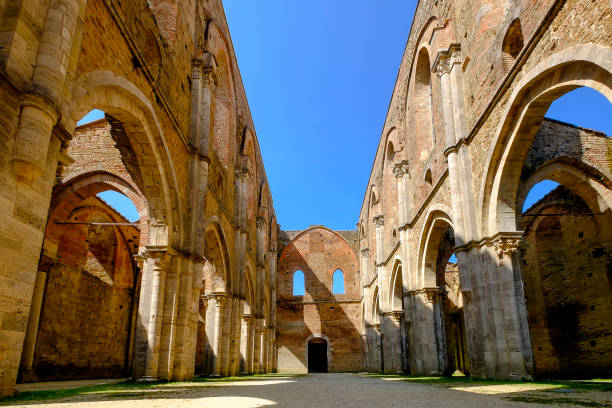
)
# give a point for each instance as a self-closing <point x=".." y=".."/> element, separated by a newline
<point x="95" y="389"/>
<point x="557" y="401"/>
<point x="448" y="382"/>
<point x="124" y="387"/>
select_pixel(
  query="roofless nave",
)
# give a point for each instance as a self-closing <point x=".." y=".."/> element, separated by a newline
<point x="192" y="288"/>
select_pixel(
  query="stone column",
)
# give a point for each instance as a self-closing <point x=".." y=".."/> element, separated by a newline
<point x="257" y="346"/>
<point x="40" y="107"/>
<point x="392" y="348"/>
<point x="29" y="344"/>
<point x="428" y="333"/>
<point x="234" y="340"/>
<point x="245" y="341"/>
<point x="219" y="299"/>
<point x="512" y="303"/>
<point x="155" y="264"/>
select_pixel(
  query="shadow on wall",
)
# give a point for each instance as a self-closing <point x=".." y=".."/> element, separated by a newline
<point x="318" y="315"/>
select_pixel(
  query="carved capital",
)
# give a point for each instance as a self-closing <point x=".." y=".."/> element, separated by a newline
<point x="219" y="299"/>
<point x="455" y="54"/>
<point x="443" y="65"/>
<point x="260" y="222"/>
<point x="247" y="318"/>
<point x="379" y="220"/>
<point x="395" y="316"/>
<point x="399" y="170"/>
<point x="506" y="245"/>
<point x="205" y="68"/>
<point x="365" y="253"/>
<point x="160" y="255"/>
<point x="431" y="294"/>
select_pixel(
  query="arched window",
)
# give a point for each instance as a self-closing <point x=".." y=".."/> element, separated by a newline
<point x="390" y="153"/>
<point x="422" y="99"/>
<point x="338" y="282"/>
<point x="298" y="283"/>
<point x="512" y="45"/>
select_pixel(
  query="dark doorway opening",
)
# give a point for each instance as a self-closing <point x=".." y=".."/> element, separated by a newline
<point x="317" y="356"/>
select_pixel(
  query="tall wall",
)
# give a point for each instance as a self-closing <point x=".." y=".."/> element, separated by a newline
<point x="319" y="314"/>
<point x="567" y="285"/>
<point x="86" y="318"/>
<point x="463" y="142"/>
<point x="184" y="149"/>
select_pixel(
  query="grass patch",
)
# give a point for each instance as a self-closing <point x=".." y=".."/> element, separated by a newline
<point x="557" y="401"/>
<point x="448" y="382"/>
<point x="122" y="389"/>
<point x="26" y="396"/>
<point x="253" y="377"/>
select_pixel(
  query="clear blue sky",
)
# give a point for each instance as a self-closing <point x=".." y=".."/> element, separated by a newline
<point x="319" y="76"/>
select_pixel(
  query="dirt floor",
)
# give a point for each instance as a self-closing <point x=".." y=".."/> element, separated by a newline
<point x="331" y="390"/>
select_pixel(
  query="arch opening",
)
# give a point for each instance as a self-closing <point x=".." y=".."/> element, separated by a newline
<point x="338" y="282"/>
<point x="317" y="355"/>
<point x="298" y="283"/>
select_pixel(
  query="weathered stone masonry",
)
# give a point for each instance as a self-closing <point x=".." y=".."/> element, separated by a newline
<point x="319" y="314"/>
<point x="178" y="140"/>
<point x="463" y="143"/>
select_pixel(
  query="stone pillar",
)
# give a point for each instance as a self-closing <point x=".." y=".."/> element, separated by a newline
<point x="428" y="333"/>
<point x="155" y="264"/>
<point x="29" y="344"/>
<point x="246" y="351"/>
<point x="512" y="303"/>
<point x="219" y="300"/>
<point x="392" y="347"/>
<point x="234" y="340"/>
<point x="379" y="221"/>
<point x="40" y="107"/>
<point x="257" y="346"/>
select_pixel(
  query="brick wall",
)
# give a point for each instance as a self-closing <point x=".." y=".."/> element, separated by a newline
<point x="566" y="270"/>
<point x="86" y="317"/>
<point x="318" y="252"/>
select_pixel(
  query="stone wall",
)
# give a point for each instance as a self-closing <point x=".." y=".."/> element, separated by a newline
<point x="86" y="318"/>
<point x="464" y="140"/>
<point x="182" y="146"/>
<point x="319" y="313"/>
<point x="567" y="286"/>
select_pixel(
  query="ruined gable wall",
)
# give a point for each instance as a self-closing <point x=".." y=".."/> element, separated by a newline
<point x="318" y="252"/>
<point x="86" y="319"/>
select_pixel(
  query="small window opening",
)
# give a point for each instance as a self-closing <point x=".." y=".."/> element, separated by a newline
<point x="512" y="45"/>
<point x="338" y="282"/>
<point x="428" y="176"/>
<point x="298" y="283"/>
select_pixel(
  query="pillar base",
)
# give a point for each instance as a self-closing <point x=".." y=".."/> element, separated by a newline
<point x="148" y="379"/>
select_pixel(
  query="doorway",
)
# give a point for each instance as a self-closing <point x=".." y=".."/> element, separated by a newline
<point x="317" y="356"/>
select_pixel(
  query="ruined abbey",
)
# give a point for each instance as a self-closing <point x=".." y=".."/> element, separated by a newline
<point x="444" y="272"/>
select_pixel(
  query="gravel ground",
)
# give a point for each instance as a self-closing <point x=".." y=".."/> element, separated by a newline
<point x="323" y="390"/>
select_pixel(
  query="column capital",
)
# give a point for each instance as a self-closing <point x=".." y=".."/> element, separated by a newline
<point x="260" y="222"/>
<point x="442" y="65"/>
<point x="506" y="244"/>
<point x="431" y="293"/>
<point x="219" y="298"/>
<point x="204" y="67"/>
<point x="160" y="254"/>
<point x="379" y="220"/>
<point x="365" y="252"/>
<point x="447" y="59"/>
<point x="455" y="54"/>
<point x="399" y="169"/>
<point x="396" y="316"/>
<point x="247" y="317"/>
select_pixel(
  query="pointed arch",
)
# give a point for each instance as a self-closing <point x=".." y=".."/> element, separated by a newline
<point x="396" y="287"/>
<point x="125" y="102"/>
<point x="437" y="225"/>
<point x="584" y="65"/>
